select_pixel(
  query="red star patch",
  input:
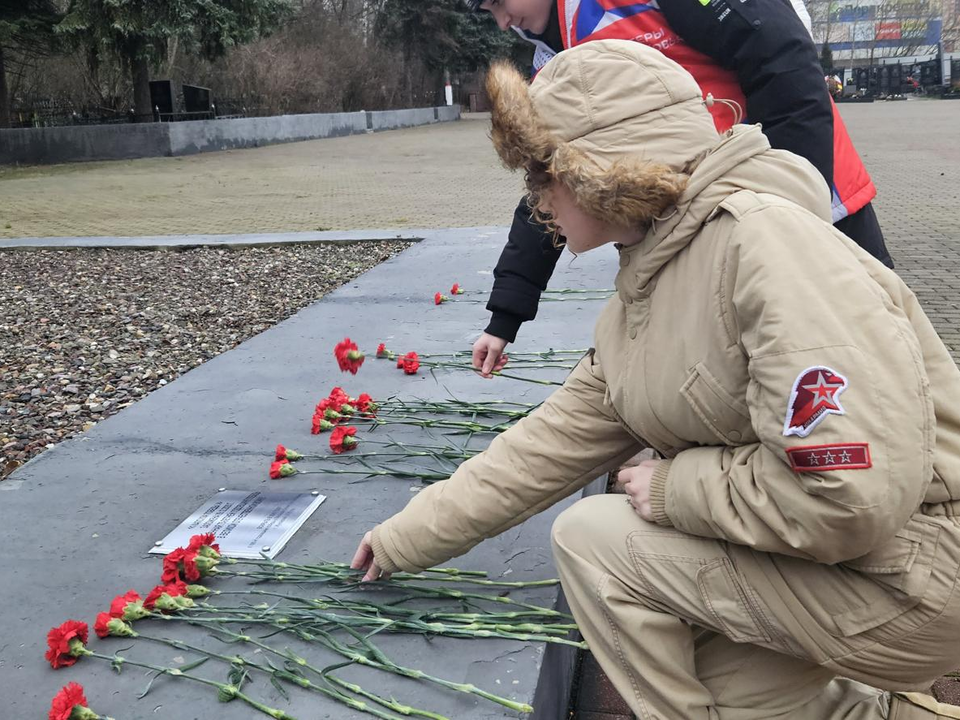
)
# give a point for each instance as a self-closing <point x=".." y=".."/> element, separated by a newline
<point x="815" y="394"/>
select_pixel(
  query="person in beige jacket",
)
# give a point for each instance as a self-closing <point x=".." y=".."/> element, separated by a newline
<point x="796" y="552"/>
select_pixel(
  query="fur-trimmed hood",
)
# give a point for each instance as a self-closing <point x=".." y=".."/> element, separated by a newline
<point x="627" y="130"/>
<point x="614" y="120"/>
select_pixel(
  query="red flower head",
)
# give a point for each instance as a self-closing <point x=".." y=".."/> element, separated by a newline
<point x="320" y="424"/>
<point x="456" y="289"/>
<point x="383" y="352"/>
<point x="439" y="299"/>
<point x="332" y="415"/>
<point x="181" y="560"/>
<point x="366" y="405"/>
<point x="284" y="453"/>
<point x="128" y="607"/>
<point x="411" y="363"/>
<point x="172" y="596"/>
<point x="338" y="397"/>
<point x="400" y="362"/>
<point x="206" y="544"/>
<point x="343" y="439"/>
<point x="280" y="469"/>
<point x="348" y="355"/>
<point x="107" y="625"/>
<point x="71" y="704"/>
<point x="65" y="644"/>
<point x="100" y="626"/>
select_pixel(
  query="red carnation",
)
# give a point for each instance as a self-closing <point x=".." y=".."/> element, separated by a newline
<point x="400" y="361"/>
<point x="343" y="439"/>
<point x="456" y="289"/>
<point x="439" y="299"/>
<point x="109" y="626"/>
<point x="284" y="453"/>
<point x="128" y="607"/>
<point x="320" y="424"/>
<point x="348" y="355"/>
<point x="176" y="589"/>
<point x="100" y="626"/>
<point x="65" y="644"/>
<point x="382" y="352"/>
<point x="180" y="560"/>
<point x="366" y="405"/>
<point x="208" y="541"/>
<point x="70" y="696"/>
<point x="411" y="363"/>
<point x="280" y="469"/>
<point x="338" y="396"/>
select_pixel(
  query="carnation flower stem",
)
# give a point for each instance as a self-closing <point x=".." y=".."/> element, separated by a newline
<point x="392" y="703"/>
<point x="522" y="621"/>
<point x="225" y="691"/>
<point x="345" y="566"/>
<point x="317" y="612"/>
<point x="349" y="582"/>
<point x="340" y="571"/>
<point x="525" y="379"/>
<point x="382" y="662"/>
<point x="467" y="355"/>
<point x="438" y="452"/>
<point x="437" y="423"/>
<point x="463" y="409"/>
<point x="299" y="680"/>
<point x="372" y="657"/>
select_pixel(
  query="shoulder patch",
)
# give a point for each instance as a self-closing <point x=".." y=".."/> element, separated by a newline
<point x="822" y="458"/>
<point x="814" y="396"/>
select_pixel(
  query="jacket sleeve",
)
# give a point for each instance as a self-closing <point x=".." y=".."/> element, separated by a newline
<point x="524" y="269"/>
<point x="768" y="47"/>
<point x="570" y="440"/>
<point x="799" y="309"/>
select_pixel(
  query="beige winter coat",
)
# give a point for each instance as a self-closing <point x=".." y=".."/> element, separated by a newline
<point x="805" y="404"/>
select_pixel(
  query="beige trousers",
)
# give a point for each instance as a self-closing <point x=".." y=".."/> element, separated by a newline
<point x="682" y="633"/>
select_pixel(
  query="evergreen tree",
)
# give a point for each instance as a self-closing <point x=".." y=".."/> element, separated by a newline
<point x="26" y="26"/>
<point x="826" y="59"/>
<point x="136" y="32"/>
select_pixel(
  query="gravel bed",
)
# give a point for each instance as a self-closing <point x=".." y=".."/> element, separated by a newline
<point x="85" y="333"/>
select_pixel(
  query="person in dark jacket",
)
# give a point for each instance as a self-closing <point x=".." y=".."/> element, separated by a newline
<point x="756" y="53"/>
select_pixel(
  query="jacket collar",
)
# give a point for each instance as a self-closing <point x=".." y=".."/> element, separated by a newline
<point x="741" y="160"/>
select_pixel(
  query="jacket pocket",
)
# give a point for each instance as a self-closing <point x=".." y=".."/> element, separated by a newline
<point x="905" y="561"/>
<point x="729" y="602"/>
<point x="726" y="417"/>
<point x="901" y="566"/>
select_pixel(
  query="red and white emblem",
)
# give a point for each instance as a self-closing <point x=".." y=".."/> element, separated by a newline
<point x="815" y="394"/>
<point x="823" y="458"/>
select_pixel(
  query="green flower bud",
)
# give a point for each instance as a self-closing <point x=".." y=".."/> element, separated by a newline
<point x="83" y="713"/>
<point x="183" y="602"/>
<point x="205" y="564"/>
<point x="135" y="611"/>
<point x="118" y="628"/>
<point x="226" y="693"/>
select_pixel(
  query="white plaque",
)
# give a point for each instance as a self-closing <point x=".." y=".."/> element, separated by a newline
<point x="246" y="524"/>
